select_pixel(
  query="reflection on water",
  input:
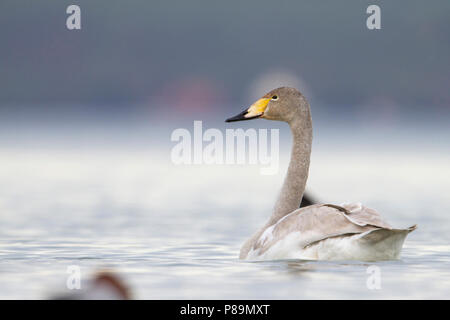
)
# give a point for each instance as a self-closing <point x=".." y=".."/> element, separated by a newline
<point x="175" y="232"/>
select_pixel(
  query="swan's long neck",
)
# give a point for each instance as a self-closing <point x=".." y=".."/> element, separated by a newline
<point x="294" y="184"/>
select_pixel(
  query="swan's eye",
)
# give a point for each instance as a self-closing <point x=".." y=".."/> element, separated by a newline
<point x="275" y="98"/>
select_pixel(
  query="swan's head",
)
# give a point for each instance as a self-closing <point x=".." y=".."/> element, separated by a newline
<point x="281" y="104"/>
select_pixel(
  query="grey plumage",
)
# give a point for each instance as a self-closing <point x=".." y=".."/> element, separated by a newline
<point x="330" y="232"/>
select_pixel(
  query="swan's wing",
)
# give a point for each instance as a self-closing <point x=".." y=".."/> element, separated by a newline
<point x="363" y="216"/>
<point x="317" y="222"/>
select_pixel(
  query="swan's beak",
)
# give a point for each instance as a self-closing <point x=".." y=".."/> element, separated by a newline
<point x="256" y="110"/>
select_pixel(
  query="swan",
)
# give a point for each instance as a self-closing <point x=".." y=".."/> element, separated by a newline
<point x="349" y="231"/>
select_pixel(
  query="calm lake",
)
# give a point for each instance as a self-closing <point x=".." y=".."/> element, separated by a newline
<point x="108" y="196"/>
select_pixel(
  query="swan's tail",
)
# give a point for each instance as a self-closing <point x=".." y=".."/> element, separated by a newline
<point x="384" y="244"/>
<point x="374" y="245"/>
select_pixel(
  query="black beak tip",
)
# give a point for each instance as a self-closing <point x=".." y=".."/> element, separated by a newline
<point x="238" y="117"/>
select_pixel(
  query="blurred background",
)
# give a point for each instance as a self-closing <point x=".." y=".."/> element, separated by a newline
<point x="86" y="117"/>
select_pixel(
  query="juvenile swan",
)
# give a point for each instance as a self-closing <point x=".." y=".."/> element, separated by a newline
<point x="319" y="231"/>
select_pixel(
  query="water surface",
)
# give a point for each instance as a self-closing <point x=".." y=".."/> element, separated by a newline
<point x="174" y="232"/>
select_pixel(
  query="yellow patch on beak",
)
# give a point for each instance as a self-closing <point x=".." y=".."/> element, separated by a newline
<point x="258" y="108"/>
